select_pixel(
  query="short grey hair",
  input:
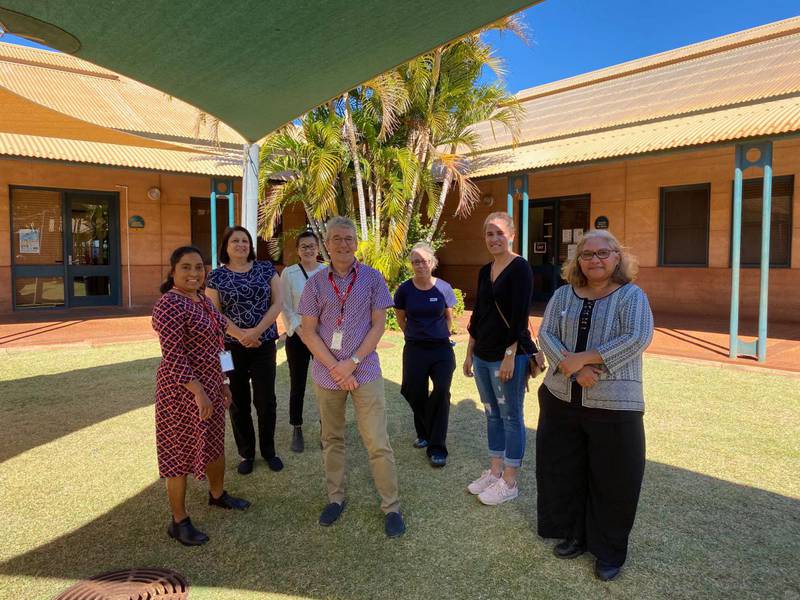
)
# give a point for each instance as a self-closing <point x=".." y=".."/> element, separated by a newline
<point x="339" y="222"/>
<point x="425" y="248"/>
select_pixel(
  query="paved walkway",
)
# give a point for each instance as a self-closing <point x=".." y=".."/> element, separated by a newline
<point x="690" y="338"/>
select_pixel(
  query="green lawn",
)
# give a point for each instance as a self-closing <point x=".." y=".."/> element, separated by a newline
<point x="719" y="515"/>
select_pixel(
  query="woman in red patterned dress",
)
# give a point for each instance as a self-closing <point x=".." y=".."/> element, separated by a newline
<point x="191" y="392"/>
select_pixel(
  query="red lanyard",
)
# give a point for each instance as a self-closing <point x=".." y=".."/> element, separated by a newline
<point x="343" y="299"/>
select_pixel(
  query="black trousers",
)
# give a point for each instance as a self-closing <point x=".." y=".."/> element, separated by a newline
<point x="589" y="470"/>
<point x="423" y="361"/>
<point x="298" y="356"/>
<point x="254" y="366"/>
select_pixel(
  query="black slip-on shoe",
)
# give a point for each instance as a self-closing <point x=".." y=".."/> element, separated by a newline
<point x="394" y="525"/>
<point x="274" y="463"/>
<point x="331" y="513"/>
<point x="186" y="533"/>
<point x="605" y="572"/>
<point x="228" y="502"/>
<point x="569" y="548"/>
<point x="245" y="467"/>
<point x="298" y="443"/>
<point x="420" y="443"/>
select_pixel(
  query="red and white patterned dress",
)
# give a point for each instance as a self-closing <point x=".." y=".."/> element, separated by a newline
<point x="191" y="337"/>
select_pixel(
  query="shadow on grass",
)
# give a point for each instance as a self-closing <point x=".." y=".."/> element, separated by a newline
<point x="38" y="410"/>
<point x="694" y="536"/>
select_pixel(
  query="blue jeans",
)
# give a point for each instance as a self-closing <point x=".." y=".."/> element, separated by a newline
<point x="503" y="403"/>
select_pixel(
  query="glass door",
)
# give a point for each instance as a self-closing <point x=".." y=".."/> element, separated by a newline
<point x="92" y="257"/>
<point x="555" y="226"/>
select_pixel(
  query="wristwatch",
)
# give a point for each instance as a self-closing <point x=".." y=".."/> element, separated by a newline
<point x="355" y="359"/>
<point x="509" y="352"/>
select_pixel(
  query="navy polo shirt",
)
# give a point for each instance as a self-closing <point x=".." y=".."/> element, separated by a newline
<point x="425" y="310"/>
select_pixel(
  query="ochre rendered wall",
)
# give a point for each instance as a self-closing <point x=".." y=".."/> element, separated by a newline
<point x="628" y="192"/>
<point x="167" y="221"/>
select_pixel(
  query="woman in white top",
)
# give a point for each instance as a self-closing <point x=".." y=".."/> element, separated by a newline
<point x="293" y="280"/>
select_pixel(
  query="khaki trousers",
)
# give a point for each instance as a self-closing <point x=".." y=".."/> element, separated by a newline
<point x="369" y="404"/>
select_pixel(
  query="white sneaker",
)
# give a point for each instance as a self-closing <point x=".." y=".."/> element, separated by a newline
<point x="498" y="492"/>
<point x="481" y="483"/>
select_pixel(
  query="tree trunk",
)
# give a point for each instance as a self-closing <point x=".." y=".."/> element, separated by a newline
<point x="351" y="138"/>
<point x="317" y="229"/>
<point x="440" y="207"/>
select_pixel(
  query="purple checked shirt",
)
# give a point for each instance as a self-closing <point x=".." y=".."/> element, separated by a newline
<point x="320" y="300"/>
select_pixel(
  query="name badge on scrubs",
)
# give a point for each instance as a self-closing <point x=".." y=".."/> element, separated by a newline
<point x="226" y="360"/>
<point x="336" y="340"/>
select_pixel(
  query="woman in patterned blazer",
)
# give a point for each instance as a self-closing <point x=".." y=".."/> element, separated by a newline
<point x="590" y="446"/>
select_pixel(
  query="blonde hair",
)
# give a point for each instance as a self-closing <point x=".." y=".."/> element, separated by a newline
<point x="504" y="218"/>
<point x="627" y="268"/>
<point x="425" y="248"/>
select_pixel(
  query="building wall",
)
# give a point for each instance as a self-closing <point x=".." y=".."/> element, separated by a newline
<point x="167" y="221"/>
<point x="628" y="193"/>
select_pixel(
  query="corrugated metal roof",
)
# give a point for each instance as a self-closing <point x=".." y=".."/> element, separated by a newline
<point x="101" y="153"/>
<point x="82" y="90"/>
<point x="752" y="66"/>
<point x="761" y="119"/>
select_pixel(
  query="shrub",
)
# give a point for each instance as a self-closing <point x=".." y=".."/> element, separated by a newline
<point x="458" y="310"/>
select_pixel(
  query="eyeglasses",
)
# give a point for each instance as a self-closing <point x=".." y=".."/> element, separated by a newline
<point x="602" y="254"/>
<point x="347" y="240"/>
<point x="307" y="246"/>
<point x="419" y="261"/>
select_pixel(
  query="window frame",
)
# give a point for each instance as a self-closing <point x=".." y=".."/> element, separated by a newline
<point x="662" y="192"/>
<point x="744" y="265"/>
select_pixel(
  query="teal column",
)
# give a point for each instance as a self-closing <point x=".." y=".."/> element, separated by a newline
<point x="764" y="161"/>
<point x="525" y="216"/>
<point x="230" y="209"/>
<point x="510" y="199"/>
<point x="213" y="211"/>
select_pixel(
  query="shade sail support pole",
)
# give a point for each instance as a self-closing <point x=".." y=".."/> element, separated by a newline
<point x="760" y="155"/>
<point x="250" y="189"/>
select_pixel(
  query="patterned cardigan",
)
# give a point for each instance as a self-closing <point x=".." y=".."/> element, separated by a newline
<point x="621" y="329"/>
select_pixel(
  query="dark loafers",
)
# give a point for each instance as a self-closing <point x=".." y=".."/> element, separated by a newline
<point x="420" y="443"/>
<point x="228" y="502"/>
<point x="393" y="525"/>
<point x="274" y="463"/>
<point x="605" y="572"/>
<point x="186" y="533"/>
<point x="331" y="513"/>
<point x="570" y="548"/>
<point x="245" y="467"/>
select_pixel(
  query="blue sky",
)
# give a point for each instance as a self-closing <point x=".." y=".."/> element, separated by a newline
<point x="569" y="37"/>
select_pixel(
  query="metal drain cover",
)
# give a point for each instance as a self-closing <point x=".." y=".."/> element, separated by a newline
<point x="130" y="584"/>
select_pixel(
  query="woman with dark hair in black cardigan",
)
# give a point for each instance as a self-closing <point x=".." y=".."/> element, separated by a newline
<point x="248" y="292"/>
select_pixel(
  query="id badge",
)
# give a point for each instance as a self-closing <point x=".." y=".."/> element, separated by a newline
<point x="336" y="341"/>
<point x="226" y="360"/>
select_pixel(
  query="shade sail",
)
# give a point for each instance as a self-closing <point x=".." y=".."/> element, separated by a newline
<point x="254" y="64"/>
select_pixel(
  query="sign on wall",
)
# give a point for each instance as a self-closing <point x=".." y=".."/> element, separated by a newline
<point x="601" y="222"/>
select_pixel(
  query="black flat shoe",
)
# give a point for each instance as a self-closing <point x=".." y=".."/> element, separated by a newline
<point x="331" y="513"/>
<point x="228" y="502"/>
<point x="186" y="533"/>
<point x="274" y="463"/>
<point x="437" y="460"/>
<point x="605" y="572"/>
<point x="420" y="443"/>
<point x="570" y="548"/>
<point x="298" y="443"/>
<point x="394" y="525"/>
<point x="245" y="467"/>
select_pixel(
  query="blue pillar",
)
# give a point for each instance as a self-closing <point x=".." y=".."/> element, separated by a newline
<point x="510" y="200"/>
<point x="213" y="207"/>
<point x="231" y="222"/>
<point x="764" y="161"/>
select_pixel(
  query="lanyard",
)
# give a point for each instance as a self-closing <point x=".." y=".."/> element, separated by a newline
<point x="342" y="299"/>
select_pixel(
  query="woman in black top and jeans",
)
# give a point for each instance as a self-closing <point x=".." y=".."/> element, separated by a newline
<point x="498" y="351"/>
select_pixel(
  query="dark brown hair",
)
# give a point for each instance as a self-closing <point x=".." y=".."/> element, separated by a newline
<point x="224" y="258"/>
<point x="306" y="234"/>
<point x="174" y="259"/>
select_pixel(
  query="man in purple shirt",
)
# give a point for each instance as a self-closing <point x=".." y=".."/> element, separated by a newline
<point x="343" y="310"/>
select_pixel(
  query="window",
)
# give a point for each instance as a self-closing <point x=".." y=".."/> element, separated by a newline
<point x="780" y="236"/>
<point x="684" y="225"/>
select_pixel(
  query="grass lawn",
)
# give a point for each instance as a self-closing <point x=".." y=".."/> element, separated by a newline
<point x="719" y="515"/>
